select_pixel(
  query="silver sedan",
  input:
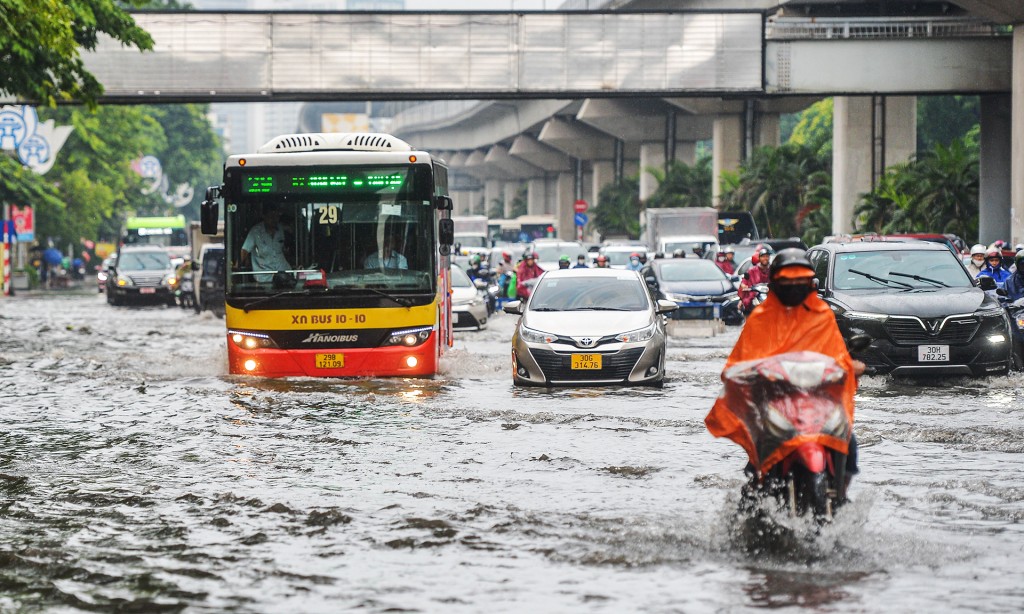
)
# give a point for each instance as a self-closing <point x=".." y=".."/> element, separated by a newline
<point x="589" y="326"/>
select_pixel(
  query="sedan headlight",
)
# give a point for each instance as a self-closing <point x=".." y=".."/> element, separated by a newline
<point x="643" y="334"/>
<point x="472" y="302"/>
<point x="124" y="280"/>
<point x="535" y="336"/>
<point x="679" y="298"/>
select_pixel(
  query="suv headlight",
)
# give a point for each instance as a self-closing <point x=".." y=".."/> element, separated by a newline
<point x="643" y="334"/>
<point x="863" y="315"/>
<point x="124" y="280"/>
<point x="535" y="336"/>
<point x="171" y="280"/>
<point x="679" y="298"/>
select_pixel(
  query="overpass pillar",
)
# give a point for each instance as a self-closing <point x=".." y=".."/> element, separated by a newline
<point x="1017" y="157"/>
<point x="869" y="134"/>
<point x="994" y="211"/>
<point x="603" y="174"/>
<point x="536" y="196"/>
<point x="726" y="150"/>
<point x="510" y="190"/>
<point x="565" y="197"/>
<point x="652" y="156"/>
<point x="492" y="195"/>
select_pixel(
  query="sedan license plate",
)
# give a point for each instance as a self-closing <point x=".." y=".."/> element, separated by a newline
<point x="933" y="353"/>
<point x="330" y="361"/>
<point x="147" y="290"/>
<point x="586" y="361"/>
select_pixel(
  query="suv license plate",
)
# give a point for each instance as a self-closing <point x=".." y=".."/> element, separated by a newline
<point x="147" y="290"/>
<point x="586" y="361"/>
<point x="330" y="361"/>
<point x="933" y="353"/>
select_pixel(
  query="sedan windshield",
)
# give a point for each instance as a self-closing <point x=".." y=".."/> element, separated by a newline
<point x="460" y="279"/>
<point x="901" y="270"/>
<point x="690" y="270"/>
<point x="589" y="294"/>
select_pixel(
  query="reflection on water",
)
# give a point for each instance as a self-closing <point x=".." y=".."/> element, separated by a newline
<point x="136" y="475"/>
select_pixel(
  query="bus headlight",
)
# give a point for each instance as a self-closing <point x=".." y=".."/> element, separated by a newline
<point x="251" y="341"/>
<point x="409" y="337"/>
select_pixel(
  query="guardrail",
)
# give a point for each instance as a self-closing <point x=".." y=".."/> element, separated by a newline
<point x="803" y="28"/>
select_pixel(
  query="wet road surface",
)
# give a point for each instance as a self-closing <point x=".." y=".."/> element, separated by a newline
<point x="136" y="476"/>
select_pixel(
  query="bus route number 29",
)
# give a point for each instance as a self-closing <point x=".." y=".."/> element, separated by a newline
<point x="328" y="214"/>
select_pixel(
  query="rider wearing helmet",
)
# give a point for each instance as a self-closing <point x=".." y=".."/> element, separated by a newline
<point x="977" y="262"/>
<point x="755" y="275"/>
<point x="634" y="262"/>
<point x="602" y="262"/>
<point x="478" y="269"/>
<point x="581" y="262"/>
<point x="528" y="269"/>
<point x="792" y="319"/>
<point x="994" y="267"/>
<point x="563" y="261"/>
<point x="1015" y="283"/>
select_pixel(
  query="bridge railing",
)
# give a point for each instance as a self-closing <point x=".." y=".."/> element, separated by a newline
<point x="803" y="28"/>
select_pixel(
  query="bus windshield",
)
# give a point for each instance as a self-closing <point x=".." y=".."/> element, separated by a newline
<point x="349" y="228"/>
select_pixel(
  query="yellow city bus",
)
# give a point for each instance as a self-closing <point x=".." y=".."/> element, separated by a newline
<point x="337" y="304"/>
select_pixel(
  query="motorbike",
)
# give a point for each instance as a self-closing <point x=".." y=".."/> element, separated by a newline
<point x="761" y="293"/>
<point x="792" y="407"/>
<point x="186" y="292"/>
<point x="1016" y="312"/>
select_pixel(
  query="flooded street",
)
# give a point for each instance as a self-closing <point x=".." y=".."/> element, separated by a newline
<point x="137" y="476"/>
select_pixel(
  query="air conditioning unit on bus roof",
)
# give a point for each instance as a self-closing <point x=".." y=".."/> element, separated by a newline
<point x="337" y="141"/>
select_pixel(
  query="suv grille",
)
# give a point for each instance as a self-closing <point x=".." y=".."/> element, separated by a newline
<point x="147" y="279"/>
<point x="911" y="331"/>
<point x="614" y="366"/>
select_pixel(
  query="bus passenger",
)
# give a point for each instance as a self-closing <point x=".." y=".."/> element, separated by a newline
<point x="263" y="248"/>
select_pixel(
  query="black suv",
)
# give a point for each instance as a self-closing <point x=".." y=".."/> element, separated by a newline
<point x="141" y="273"/>
<point x="924" y="312"/>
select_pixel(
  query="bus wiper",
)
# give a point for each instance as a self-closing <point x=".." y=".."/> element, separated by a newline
<point x="404" y="302"/>
<point x="919" y="278"/>
<point x="881" y="280"/>
<point x="273" y="296"/>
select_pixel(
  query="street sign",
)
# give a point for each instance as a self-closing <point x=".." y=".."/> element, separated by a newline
<point x="580" y="206"/>
<point x="581" y="219"/>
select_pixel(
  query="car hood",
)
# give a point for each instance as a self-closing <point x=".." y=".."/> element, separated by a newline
<point x="697" y="288"/>
<point x="463" y="294"/>
<point x="586" y="323"/>
<point x="921" y="303"/>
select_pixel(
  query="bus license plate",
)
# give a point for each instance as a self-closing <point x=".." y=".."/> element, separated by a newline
<point x="330" y="361"/>
<point x="586" y="361"/>
<point x="933" y="353"/>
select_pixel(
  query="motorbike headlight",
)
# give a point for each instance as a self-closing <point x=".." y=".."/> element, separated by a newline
<point x="251" y="341"/>
<point x="409" y="337"/>
<point x="535" y="336"/>
<point x="643" y="334"/>
<point x="777" y="425"/>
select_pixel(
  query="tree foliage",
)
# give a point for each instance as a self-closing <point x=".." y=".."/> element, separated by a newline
<point x="41" y="43"/>
<point x="681" y="185"/>
<point x="618" y="210"/>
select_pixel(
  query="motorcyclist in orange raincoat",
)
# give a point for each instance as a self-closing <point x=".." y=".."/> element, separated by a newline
<point x="793" y="318"/>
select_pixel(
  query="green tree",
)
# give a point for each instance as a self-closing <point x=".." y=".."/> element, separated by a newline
<point x="41" y="43"/>
<point x="618" y="210"/>
<point x="943" y="119"/>
<point x="519" y="203"/>
<point x="681" y="185"/>
<point x="193" y="153"/>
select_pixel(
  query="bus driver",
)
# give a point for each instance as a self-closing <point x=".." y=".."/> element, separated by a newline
<point x="263" y="248"/>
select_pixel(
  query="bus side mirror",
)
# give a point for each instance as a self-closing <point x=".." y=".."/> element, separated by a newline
<point x="446" y="230"/>
<point x="443" y="203"/>
<point x="209" y="212"/>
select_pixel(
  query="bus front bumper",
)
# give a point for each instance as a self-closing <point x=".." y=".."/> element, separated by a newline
<point x="396" y="361"/>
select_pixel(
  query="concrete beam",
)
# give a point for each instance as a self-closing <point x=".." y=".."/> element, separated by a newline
<point x="726" y="150"/>
<point x="1017" y="120"/>
<point x="632" y="120"/>
<point x="540" y="155"/>
<point x="480" y="126"/>
<point x="996" y="153"/>
<point x="504" y="165"/>
<point x="577" y="139"/>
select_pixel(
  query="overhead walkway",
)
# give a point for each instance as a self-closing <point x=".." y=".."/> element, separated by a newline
<point x="234" y="56"/>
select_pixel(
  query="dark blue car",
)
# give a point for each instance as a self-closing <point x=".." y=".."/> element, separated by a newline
<point x="698" y="286"/>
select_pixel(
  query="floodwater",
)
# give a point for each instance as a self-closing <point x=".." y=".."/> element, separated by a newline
<point x="137" y="476"/>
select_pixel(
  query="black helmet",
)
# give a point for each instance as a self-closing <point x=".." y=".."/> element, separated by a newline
<point x="789" y="257"/>
<point x="1018" y="258"/>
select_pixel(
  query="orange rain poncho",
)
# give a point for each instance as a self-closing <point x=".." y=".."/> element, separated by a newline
<point x="775" y="329"/>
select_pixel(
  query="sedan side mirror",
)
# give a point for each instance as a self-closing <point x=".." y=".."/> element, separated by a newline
<point x="652" y="281"/>
<point x="666" y="306"/>
<point x="514" y="308"/>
